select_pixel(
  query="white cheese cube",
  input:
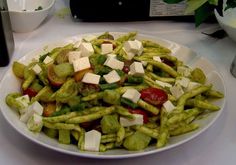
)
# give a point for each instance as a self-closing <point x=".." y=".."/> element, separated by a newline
<point x="138" y="120"/>
<point x="168" y="106"/>
<point x="81" y="64"/>
<point x="156" y="58"/>
<point x="73" y="56"/>
<point x="132" y="94"/>
<point x="184" y="71"/>
<point x="130" y="55"/>
<point x="92" y="140"/>
<point x="163" y="84"/>
<point x="131" y="46"/>
<point x="192" y="85"/>
<point x="106" y="48"/>
<point x="35" y="123"/>
<point x="114" y="63"/>
<point x="37" y="69"/>
<point x="183" y="81"/>
<point x="24" y="100"/>
<point x="140" y="47"/>
<point x="86" y="49"/>
<point x="91" y="78"/>
<point x="89" y="38"/>
<point x="48" y="60"/>
<point x="136" y="68"/>
<point x="176" y="91"/>
<point x="34" y="108"/>
<point x="111" y="55"/>
<point x="77" y="44"/>
<point x="112" y="77"/>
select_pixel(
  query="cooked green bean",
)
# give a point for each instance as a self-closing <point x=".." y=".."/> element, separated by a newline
<point x="184" y="129"/>
<point x="148" y="107"/>
<point x="202" y="104"/>
<point x="148" y="131"/>
<point x="120" y="135"/>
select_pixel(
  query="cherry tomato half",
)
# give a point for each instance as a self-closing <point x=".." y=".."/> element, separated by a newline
<point x="140" y="112"/>
<point x="30" y="92"/>
<point x="154" y="96"/>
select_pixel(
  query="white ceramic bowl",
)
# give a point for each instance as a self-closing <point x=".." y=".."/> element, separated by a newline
<point x="24" y="16"/>
<point x="228" y="22"/>
<point x="10" y="84"/>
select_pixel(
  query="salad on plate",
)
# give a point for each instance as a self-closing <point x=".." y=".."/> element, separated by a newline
<point x="101" y="93"/>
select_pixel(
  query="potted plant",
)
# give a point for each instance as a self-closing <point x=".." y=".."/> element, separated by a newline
<point x="203" y="9"/>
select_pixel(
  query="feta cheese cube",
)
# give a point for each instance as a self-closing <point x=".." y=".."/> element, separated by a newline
<point x="138" y="120"/>
<point x="34" y="108"/>
<point x="106" y="48"/>
<point x="37" y="69"/>
<point x="130" y="55"/>
<point x="91" y="78"/>
<point x="89" y="38"/>
<point x="112" y="77"/>
<point x="163" y="84"/>
<point x="92" y="140"/>
<point x="114" y="63"/>
<point x="183" y="81"/>
<point x="192" y="85"/>
<point x="73" y="56"/>
<point x="132" y="94"/>
<point x="156" y="58"/>
<point x="48" y="60"/>
<point x="81" y="64"/>
<point x="176" y="91"/>
<point x="77" y="44"/>
<point x="86" y="49"/>
<point x="35" y="123"/>
<point x="168" y="106"/>
<point x="24" y="100"/>
<point x="131" y="46"/>
<point x="136" y="68"/>
<point x="140" y="47"/>
<point x="111" y="55"/>
<point x="184" y="71"/>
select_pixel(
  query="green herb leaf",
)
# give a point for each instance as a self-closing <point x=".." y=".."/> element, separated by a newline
<point x="194" y="5"/>
<point x="202" y="13"/>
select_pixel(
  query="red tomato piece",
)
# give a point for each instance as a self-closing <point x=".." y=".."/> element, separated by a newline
<point x="140" y="112"/>
<point x="30" y="92"/>
<point x="154" y="96"/>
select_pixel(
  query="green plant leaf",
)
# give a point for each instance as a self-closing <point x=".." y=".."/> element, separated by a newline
<point x="172" y="1"/>
<point x="202" y="13"/>
<point x="230" y="4"/>
<point x="194" y="5"/>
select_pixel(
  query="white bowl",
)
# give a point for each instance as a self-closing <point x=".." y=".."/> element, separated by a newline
<point x="228" y="22"/>
<point x="24" y="17"/>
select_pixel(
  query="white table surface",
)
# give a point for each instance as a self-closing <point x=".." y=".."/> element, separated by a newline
<point x="216" y="146"/>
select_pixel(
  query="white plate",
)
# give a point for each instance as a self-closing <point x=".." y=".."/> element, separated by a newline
<point x="11" y="84"/>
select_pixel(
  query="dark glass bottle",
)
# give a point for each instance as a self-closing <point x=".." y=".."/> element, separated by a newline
<point x="6" y="37"/>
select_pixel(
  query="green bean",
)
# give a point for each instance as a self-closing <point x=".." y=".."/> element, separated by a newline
<point x="152" y="83"/>
<point x="102" y="148"/>
<point x="93" y="96"/>
<point x="183" y="116"/>
<point x="107" y="140"/>
<point x="124" y="112"/>
<point x="213" y="93"/>
<point x="118" y="49"/>
<point x="149" y="67"/>
<point x="147" y="43"/>
<point x="75" y="134"/>
<point x="18" y="69"/>
<point x="59" y="125"/>
<point x="148" y="131"/>
<point x="151" y="125"/>
<point x="91" y="117"/>
<point x="43" y="95"/>
<point x="110" y="146"/>
<point x="81" y="140"/>
<point x="196" y="91"/>
<point x="97" y="50"/>
<point x="28" y="80"/>
<point x="120" y="135"/>
<point x="128" y="103"/>
<point x="107" y="136"/>
<point x="11" y="101"/>
<point x="184" y="129"/>
<point x="127" y="37"/>
<point x="134" y="79"/>
<point x="202" y="104"/>
<point x="166" y="68"/>
<point x="108" y="86"/>
<point x="61" y="118"/>
<point x="164" y="131"/>
<point x="148" y="107"/>
<point x="156" y="77"/>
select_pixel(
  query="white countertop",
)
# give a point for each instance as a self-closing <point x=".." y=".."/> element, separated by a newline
<point x="216" y="146"/>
